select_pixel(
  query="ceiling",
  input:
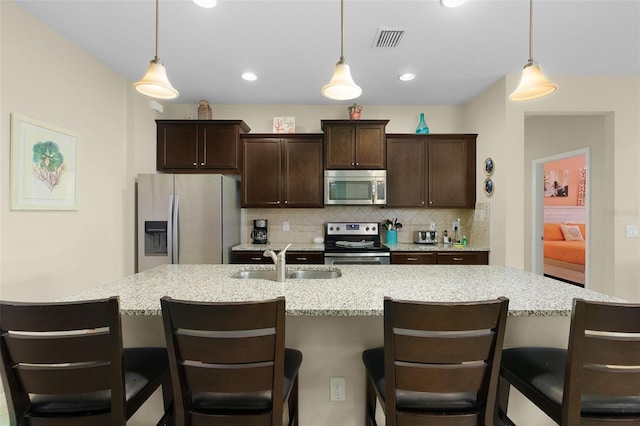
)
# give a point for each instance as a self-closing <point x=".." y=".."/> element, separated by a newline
<point x="293" y="45"/>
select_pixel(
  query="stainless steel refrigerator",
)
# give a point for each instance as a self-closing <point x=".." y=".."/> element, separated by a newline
<point x="185" y="218"/>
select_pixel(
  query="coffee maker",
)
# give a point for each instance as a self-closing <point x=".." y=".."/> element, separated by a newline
<point x="259" y="233"/>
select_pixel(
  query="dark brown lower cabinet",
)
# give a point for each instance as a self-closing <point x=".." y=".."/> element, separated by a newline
<point x="440" y="258"/>
<point x="292" y="257"/>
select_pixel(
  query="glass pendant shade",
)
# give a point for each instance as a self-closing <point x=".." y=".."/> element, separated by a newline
<point x="533" y="84"/>
<point x="155" y="82"/>
<point x="341" y="87"/>
<point x="206" y="3"/>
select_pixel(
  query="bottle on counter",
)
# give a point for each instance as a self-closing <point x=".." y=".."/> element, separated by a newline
<point x="464" y="240"/>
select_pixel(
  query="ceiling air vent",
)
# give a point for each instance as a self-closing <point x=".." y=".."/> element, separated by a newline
<point x="387" y="38"/>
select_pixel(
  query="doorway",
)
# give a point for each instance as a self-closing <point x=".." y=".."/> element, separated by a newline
<point x="561" y="197"/>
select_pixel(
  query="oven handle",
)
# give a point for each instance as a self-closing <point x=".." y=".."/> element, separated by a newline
<point x="361" y="254"/>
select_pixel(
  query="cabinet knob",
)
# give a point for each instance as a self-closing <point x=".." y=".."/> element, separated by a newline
<point x="286" y="202"/>
<point x="353" y="164"/>
<point x="457" y="259"/>
<point x="430" y="202"/>
<point x="357" y="164"/>
<point x="195" y="164"/>
<point x="422" y="202"/>
<point x="412" y="259"/>
<point x="202" y="164"/>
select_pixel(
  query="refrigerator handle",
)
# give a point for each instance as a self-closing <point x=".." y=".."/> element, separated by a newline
<point x="176" y="230"/>
<point x="170" y="229"/>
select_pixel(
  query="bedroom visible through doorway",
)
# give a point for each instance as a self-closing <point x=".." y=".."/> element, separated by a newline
<point x="564" y="211"/>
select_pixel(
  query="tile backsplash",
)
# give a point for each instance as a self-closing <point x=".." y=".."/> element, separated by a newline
<point x="305" y="224"/>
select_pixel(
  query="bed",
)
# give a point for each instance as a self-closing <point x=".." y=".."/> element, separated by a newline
<point x="564" y="251"/>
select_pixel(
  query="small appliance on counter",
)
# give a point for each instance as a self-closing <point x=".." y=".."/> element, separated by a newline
<point x="259" y="232"/>
<point x="425" y="237"/>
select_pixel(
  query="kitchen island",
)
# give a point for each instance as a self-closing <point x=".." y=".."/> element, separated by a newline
<point x="333" y="320"/>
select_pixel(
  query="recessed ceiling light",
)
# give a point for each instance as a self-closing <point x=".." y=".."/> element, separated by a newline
<point x="451" y="3"/>
<point x="406" y="76"/>
<point x="249" y="76"/>
<point x="206" y="3"/>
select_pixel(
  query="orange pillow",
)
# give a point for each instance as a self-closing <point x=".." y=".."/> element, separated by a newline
<point x="552" y="232"/>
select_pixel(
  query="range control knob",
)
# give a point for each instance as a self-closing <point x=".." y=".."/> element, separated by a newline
<point x="331" y="228"/>
<point x="366" y="229"/>
<point x="337" y="228"/>
<point x="373" y="229"/>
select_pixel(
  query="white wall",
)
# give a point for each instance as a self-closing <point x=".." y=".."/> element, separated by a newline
<point x="50" y="254"/>
<point x="617" y="100"/>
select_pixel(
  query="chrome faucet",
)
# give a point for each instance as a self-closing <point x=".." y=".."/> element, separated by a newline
<point x="280" y="262"/>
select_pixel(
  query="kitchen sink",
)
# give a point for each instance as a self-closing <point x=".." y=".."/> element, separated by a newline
<point x="310" y="274"/>
<point x="323" y="274"/>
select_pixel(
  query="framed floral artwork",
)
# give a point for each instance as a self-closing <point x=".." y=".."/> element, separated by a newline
<point x="43" y="166"/>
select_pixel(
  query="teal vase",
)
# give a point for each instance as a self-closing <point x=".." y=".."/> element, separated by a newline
<point x="422" y="128"/>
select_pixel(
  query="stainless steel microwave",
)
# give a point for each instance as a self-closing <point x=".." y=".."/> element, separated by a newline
<point x="355" y="187"/>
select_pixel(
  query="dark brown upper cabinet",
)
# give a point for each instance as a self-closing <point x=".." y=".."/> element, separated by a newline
<point x="431" y="170"/>
<point x="282" y="171"/>
<point x="354" y="144"/>
<point x="207" y="146"/>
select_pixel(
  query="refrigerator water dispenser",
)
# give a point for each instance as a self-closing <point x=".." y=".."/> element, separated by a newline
<point x="155" y="237"/>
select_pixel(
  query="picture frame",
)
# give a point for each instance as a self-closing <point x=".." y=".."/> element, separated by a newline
<point x="488" y="187"/>
<point x="489" y="166"/>
<point x="284" y="124"/>
<point x="43" y="165"/>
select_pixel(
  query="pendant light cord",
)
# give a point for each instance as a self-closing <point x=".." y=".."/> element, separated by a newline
<point x="342" y="30"/>
<point x="530" y="30"/>
<point x="157" y="25"/>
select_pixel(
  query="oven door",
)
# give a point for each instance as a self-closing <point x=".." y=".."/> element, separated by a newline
<point x="355" y="187"/>
<point x="370" y="258"/>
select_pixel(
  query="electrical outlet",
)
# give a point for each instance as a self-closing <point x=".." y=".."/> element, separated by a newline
<point x="633" y="231"/>
<point x="337" y="388"/>
<point x="285" y="225"/>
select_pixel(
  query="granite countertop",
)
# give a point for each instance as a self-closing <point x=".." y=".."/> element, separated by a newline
<point x="392" y="247"/>
<point x="358" y="292"/>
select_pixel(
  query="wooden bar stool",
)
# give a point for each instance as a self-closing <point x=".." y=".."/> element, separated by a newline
<point x="229" y="364"/>
<point x="439" y="364"/>
<point x="63" y="364"/>
<point x="596" y="381"/>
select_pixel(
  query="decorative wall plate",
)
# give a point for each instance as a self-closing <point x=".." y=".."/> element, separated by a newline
<point x="488" y="166"/>
<point x="488" y="186"/>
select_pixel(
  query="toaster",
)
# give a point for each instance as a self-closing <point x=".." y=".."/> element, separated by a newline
<point x="425" y="237"/>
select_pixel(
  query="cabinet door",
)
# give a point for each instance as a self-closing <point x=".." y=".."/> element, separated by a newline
<point x="220" y="147"/>
<point x="177" y="146"/>
<point x="406" y="183"/>
<point x="304" y="257"/>
<point x="413" y="258"/>
<point x="303" y="172"/>
<point x="451" y="171"/>
<point x="261" y="172"/>
<point x="370" y="147"/>
<point x="463" y="258"/>
<point x="250" y="257"/>
<point x="339" y="147"/>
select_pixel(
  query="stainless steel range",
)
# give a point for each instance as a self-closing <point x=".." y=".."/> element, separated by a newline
<point x="354" y="243"/>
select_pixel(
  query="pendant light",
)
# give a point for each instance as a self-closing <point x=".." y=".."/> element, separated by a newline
<point x="341" y="87"/>
<point x="533" y="84"/>
<point x="155" y="82"/>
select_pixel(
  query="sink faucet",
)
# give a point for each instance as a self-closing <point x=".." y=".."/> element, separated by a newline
<point x="280" y="262"/>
